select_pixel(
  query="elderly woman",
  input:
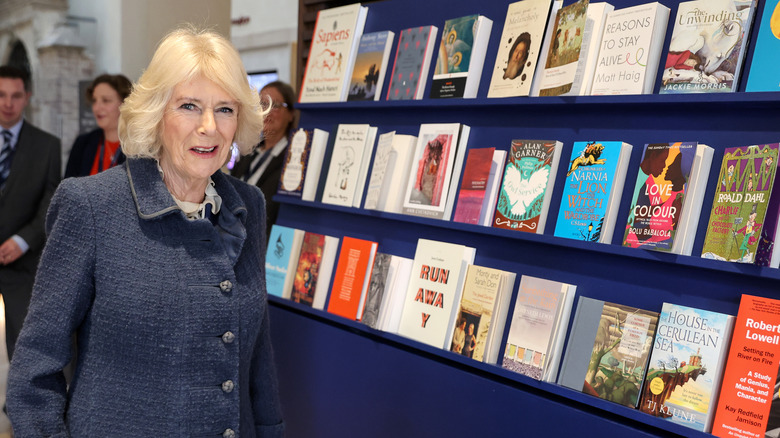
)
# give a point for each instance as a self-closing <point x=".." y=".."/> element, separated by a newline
<point x="157" y="265"/>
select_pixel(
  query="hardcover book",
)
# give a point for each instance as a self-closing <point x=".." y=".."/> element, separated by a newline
<point x="744" y="186"/>
<point x="560" y="68"/>
<point x="538" y="327"/>
<point x="352" y="144"/>
<point x="708" y="46"/>
<point x="765" y="65"/>
<point x="353" y="272"/>
<point x="667" y="197"/>
<point x="332" y="53"/>
<point x="519" y="48"/>
<point x="434" y="291"/>
<point x="686" y="366"/>
<point x="592" y="190"/>
<point x="527" y="185"/>
<point x="473" y="185"/>
<point x="314" y="269"/>
<point x="412" y="62"/>
<point x="631" y="50"/>
<point x="748" y="400"/>
<point x="368" y="74"/>
<point x="608" y="350"/>
<point x="281" y="258"/>
<point x="461" y="56"/>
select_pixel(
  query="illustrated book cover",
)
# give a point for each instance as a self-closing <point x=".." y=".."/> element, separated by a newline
<point x="413" y="58"/>
<point x="353" y="272"/>
<point x="351" y="145"/>
<point x="473" y="185"/>
<point x="318" y="140"/>
<point x="368" y="73"/>
<point x="461" y="57"/>
<point x="765" y="66"/>
<point x="295" y="168"/>
<point x="314" y="269"/>
<point x="281" y="258"/>
<point x="560" y="68"/>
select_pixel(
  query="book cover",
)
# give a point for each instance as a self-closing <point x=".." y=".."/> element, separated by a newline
<point x="594" y="181"/>
<point x="398" y="276"/>
<point x="368" y="74"/>
<point x="384" y="149"/>
<point x="396" y="173"/>
<point x="686" y="366"/>
<point x="541" y="317"/>
<point x="526" y="188"/>
<point x="377" y="287"/>
<point x="332" y="53"/>
<point x="284" y="246"/>
<point x="492" y="189"/>
<point x="738" y="211"/>
<point x="749" y="389"/>
<point x="591" y="45"/>
<point x="631" y="50"/>
<point x="316" y="156"/>
<point x="765" y="65"/>
<point x="519" y="48"/>
<point x="767" y="252"/>
<point x="708" y="46"/>
<point x="294" y="168"/>
<point x="412" y="62"/>
<point x="308" y="268"/>
<point x="461" y="57"/>
<point x="473" y="185"/>
<point x="434" y="291"/>
<point x="353" y="272"/>
<point x="560" y="68"/>
<point x="341" y="183"/>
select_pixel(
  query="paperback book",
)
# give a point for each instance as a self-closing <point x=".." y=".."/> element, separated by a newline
<point x="314" y="269"/>
<point x="352" y="147"/>
<point x="368" y="74"/>
<point x="412" y="62"/>
<point x="560" y="68"/>
<point x="392" y="164"/>
<point x="319" y="145"/>
<point x="353" y="273"/>
<point x="473" y="185"/>
<point x="765" y="65"/>
<point x="461" y="56"/>
<point x="281" y="258"/>
<point x="295" y="167"/>
<point x="591" y="45"/>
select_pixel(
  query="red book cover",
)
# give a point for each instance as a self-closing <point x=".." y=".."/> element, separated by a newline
<point x="352" y="273"/>
<point x="473" y="184"/>
<point x="307" y="272"/>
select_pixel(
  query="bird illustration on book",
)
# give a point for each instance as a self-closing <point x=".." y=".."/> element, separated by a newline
<point x="524" y="185"/>
<point x="589" y="157"/>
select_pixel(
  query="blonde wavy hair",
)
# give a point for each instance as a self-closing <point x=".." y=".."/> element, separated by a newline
<point x="184" y="54"/>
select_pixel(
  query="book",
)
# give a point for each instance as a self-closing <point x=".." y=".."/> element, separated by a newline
<point x="396" y="284"/>
<point x="492" y="189"/>
<point x="314" y="269"/>
<point x="527" y="185"/>
<point x="608" y="350"/>
<point x="412" y="62"/>
<point x="281" y="259"/>
<point x="392" y="164"/>
<point x="434" y="291"/>
<point x="764" y="72"/>
<point x="353" y="272"/>
<point x="438" y="160"/>
<point x="668" y="195"/>
<point x="332" y="53"/>
<point x="748" y="400"/>
<point x="368" y="74"/>
<point x="481" y="314"/>
<point x="473" y="185"/>
<point x="318" y="147"/>
<point x="739" y="208"/>
<point x="294" y="169"/>
<point x="544" y="51"/>
<point x="365" y="162"/>
<point x="534" y="344"/>
<point x="381" y="276"/>
<point x="631" y="50"/>
<point x="595" y="22"/>
<point x="519" y="48"/>
<point x="686" y="366"/>
<point x="560" y="67"/>
<point x="461" y="57"/>
<point x="592" y="190"/>
<point x="351" y="145"/>
<point x="708" y="46"/>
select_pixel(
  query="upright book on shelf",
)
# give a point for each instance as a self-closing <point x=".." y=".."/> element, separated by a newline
<point x="314" y="269"/>
<point x="668" y="194"/>
<point x="412" y="62"/>
<point x="631" y="50"/>
<point x="591" y="44"/>
<point x="473" y="185"/>
<point x="608" y="350"/>
<point x="518" y="51"/>
<point x="461" y="57"/>
<point x="434" y="290"/>
<point x="353" y="145"/>
<point x="538" y="327"/>
<point x="318" y="140"/>
<point x="765" y="65"/>
<point x="392" y="306"/>
<point x="281" y="259"/>
<point x="592" y="190"/>
<point x="708" y="45"/>
<point x="368" y="74"/>
<point x="296" y="163"/>
<point x="527" y="185"/>
<point x="742" y="195"/>
<point x="392" y="164"/>
<point x="332" y="53"/>
<point x="353" y="272"/>
<point x="686" y="366"/>
<point x="562" y="57"/>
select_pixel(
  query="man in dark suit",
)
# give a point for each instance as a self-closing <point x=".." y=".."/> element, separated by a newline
<point x="29" y="174"/>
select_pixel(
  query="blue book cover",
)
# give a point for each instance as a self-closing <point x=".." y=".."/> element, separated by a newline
<point x="370" y="65"/>
<point x="277" y="258"/>
<point x="765" y="67"/>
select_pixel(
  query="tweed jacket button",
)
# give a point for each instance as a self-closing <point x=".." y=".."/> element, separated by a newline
<point x="229" y="433"/>
<point x="228" y="337"/>
<point x="226" y="286"/>
<point x="227" y="386"/>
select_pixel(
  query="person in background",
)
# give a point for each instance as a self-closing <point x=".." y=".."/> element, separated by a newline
<point x="29" y="173"/>
<point x="263" y="167"/>
<point x="99" y="149"/>
<point x="157" y="265"/>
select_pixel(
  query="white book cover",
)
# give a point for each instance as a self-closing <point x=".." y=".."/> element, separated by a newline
<point x="399" y="166"/>
<point x="435" y="288"/>
<point x="630" y="50"/>
<point x="368" y="152"/>
<point x="384" y="146"/>
<point x="591" y="43"/>
<point x="518" y="51"/>
<point x="332" y="53"/>
<point x="492" y="188"/>
<point x="319" y="144"/>
<point x="462" y="50"/>
<point x="329" y="252"/>
<point x="395" y="293"/>
<point x="344" y="172"/>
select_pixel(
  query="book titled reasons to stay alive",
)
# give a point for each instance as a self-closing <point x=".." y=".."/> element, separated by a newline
<point x="608" y="350"/>
<point x="708" y="46"/>
<point x="368" y="74"/>
<point x="412" y="61"/>
<point x="744" y="186"/>
<point x="686" y="366"/>
<point x="461" y="57"/>
<point x="592" y="190"/>
<point x="765" y="65"/>
<point x="748" y="405"/>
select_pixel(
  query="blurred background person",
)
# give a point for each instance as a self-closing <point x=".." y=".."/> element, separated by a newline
<point x="99" y="149"/>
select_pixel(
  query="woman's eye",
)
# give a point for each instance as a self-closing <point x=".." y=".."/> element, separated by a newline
<point x="188" y="106"/>
<point x="225" y="110"/>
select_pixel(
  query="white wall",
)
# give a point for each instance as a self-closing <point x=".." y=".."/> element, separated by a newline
<point x="107" y="49"/>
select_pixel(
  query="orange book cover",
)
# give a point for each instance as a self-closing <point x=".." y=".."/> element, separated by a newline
<point x="751" y="371"/>
<point x="352" y="273"/>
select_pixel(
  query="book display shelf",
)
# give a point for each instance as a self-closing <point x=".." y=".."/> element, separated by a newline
<point x="341" y="378"/>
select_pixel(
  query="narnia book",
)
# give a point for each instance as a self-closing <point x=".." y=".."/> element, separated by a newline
<point x="560" y="68"/>
<point x="461" y="56"/>
<point x="314" y="269"/>
<point x="527" y="185"/>
<point x="608" y="350"/>
<point x="765" y="65"/>
<point x="353" y="272"/>
<point x="412" y="62"/>
<point x="686" y="366"/>
<point x="368" y="74"/>
<point x="744" y="185"/>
